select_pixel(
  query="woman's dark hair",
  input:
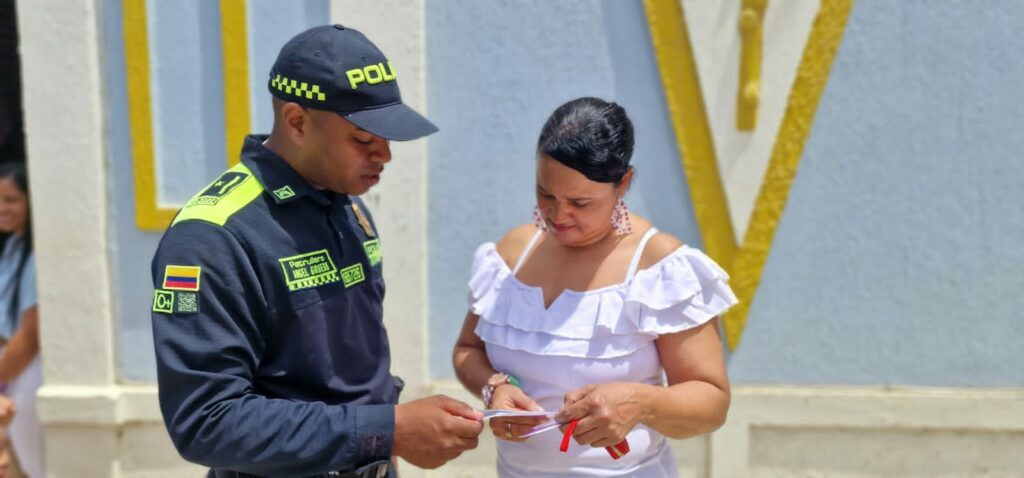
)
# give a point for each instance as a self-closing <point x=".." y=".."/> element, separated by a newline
<point x="15" y="170"/>
<point x="592" y="136"/>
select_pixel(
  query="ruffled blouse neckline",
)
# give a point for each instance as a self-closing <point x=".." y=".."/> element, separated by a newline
<point x="682" y="290"/>
<point x="572" y="292"/>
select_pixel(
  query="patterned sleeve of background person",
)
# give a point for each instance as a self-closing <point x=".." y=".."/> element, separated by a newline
<point x="209" y="323"/>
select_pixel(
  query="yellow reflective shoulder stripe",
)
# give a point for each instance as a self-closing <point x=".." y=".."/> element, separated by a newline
<point x="218" y="212"/>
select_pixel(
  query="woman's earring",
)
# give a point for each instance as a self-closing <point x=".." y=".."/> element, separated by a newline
<point x="539" y="220"/>
<point x="620" y="219"/>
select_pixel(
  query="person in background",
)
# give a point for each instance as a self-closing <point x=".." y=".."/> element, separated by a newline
<point x="20" y="366"/>
<point x="583" y="312"/>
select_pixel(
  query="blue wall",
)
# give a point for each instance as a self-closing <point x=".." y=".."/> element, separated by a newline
<point x="495" y="72"/>
<point x="899" y="258"/>
<point x="188" y="130"/>
<point x="187" y="92"/>
<point x="896" y="262"/>
<point x="270" y="26"/>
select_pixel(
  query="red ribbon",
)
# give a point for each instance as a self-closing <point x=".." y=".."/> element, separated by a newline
<point x="616" y="452"/>
<point x="564" y="448"/>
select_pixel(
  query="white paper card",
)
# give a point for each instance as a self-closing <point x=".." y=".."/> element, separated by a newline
<point x="516" y="413"/>
<point x="540" y="429"/>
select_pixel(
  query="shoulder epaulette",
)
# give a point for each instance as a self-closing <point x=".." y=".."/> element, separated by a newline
<point x="232" y="191"/>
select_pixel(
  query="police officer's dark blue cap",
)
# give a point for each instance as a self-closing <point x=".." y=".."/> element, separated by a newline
<point x="336" y="68"/>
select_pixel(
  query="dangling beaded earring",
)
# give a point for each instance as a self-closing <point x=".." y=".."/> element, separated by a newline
<point x="539" y="220"/>
<point x="620" y="219"/>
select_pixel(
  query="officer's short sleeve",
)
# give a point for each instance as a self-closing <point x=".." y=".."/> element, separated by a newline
<point x="209" y="323"/>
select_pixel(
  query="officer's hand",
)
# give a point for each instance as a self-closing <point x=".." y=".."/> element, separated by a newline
<point x="431" y="431"/>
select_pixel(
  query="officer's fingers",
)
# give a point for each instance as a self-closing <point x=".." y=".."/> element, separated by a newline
<point x="459" y="409"/>
<point x="453" y="447"/>
<point x="467" y="443"/>
<point x="436" y="461"/>
<point x="462" y="427"/>
<point x="451" y="457"/>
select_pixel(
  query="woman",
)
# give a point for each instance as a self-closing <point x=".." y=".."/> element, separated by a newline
<point x="19" y="322"/>
<point x="586" y="309"/>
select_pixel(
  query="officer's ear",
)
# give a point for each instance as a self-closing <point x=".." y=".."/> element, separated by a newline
<point x="296" y="121"/>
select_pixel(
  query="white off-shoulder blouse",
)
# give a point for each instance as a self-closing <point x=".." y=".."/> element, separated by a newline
<point x="585" y="337"/>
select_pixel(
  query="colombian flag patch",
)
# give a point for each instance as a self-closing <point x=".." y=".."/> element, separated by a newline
<point x="182" y="278"/>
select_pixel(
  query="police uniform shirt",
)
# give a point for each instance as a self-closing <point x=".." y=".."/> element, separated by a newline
<point x="272" y="356"/>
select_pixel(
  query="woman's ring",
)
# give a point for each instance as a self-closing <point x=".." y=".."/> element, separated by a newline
<point x="508" y="430"/>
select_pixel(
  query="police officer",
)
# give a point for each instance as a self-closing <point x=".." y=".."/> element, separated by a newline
<point x="271" y="352"/>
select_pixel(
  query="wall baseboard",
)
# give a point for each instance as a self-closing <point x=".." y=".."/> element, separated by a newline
<point x="771" y="432"/>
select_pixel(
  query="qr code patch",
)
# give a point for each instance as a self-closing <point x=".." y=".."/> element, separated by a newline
<point x="186" y="303"/>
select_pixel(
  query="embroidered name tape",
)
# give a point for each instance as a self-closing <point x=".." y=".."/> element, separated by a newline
<point x="309" y="270"/>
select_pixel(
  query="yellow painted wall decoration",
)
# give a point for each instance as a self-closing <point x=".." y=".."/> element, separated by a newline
<point x="149" y="214"/>
<point x="235" y="44"/>
<point x="674" y="53"/>
<point x="751" y="28"/>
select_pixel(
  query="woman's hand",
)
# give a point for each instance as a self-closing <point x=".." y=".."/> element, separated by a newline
<point x="511" y="397"/>
<point x="607" y="412"/>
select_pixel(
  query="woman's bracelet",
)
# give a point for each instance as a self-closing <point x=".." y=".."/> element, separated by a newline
<point x="496" y="380"/>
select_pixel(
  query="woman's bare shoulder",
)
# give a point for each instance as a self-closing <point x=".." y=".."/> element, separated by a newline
<point x="512" y="245"/>
<point x="659" y="247"/>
